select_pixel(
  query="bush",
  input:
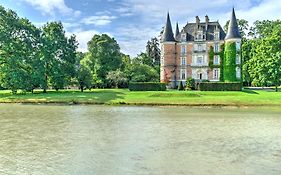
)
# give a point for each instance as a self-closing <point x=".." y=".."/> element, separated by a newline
<point x="220" y="86"/>
<point x="190" y="84"/>
<point x="180" y="88"/>
<point x="147" y="86"/>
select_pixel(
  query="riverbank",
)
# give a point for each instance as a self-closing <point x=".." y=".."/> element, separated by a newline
<point x="165" y="98"/>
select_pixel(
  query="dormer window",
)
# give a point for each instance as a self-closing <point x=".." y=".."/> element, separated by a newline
<point x="216" y="35"/>
<point x="199" y="35"/>
<point x="183" y="37"/>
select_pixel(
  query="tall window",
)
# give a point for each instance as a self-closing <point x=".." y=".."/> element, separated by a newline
<point x="183" y="61"/>
<point x="216" y="74"/>
<point x="216" y="60"/>
<point x="217" y="48"/>
<point x="238" y="46"/>
<point x="183" y="74"/>
<point x="183" y="49"/>
<point x="238" y="72"/>
<point x="238" y="59"/>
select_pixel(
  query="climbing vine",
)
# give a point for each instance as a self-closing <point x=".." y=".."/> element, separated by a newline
<point x="229" y="63"/>
<point x="211" y="60"/>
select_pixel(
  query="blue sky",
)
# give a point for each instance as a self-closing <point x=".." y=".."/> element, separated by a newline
<point x="133" y="22"/>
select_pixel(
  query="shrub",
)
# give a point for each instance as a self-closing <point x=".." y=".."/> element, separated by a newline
<point x="180" y="88"/>
<point x="220" y="86"/>
<point x="190" y="84"/>
<point x="147" y="86"/>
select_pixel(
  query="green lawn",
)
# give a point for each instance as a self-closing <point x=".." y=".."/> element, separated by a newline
<point x="123" y="96"/>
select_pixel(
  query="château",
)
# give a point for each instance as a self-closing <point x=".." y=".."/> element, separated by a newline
<point x="199" y="51"/>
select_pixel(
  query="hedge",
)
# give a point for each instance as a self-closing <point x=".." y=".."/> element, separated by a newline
<point x="220" y="86"/>
<point x="147" y="86"/>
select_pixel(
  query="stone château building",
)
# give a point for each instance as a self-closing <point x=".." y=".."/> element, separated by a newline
<point x="197" y="51"/>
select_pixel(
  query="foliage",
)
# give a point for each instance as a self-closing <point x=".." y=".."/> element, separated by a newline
<point x="84" y="77"/>
<point x="229" y="66"/>
<point x="153" y="51"/>
<point x="147" y="86"/>
<point x="117" y="79"/>
<point x="220" y="86"/>
<point x="143" y="73"/>
<point x="190" y="84"/>
<point x="104" y="56"/>
<point x="180" y="88"/>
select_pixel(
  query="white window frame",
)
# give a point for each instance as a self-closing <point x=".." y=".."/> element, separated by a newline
<point x="216" y="47"/>
<point x="216" y="74"/>
<point x="238" y="72"/>
<point x="183" y="61"/>
<point x="216" y="60"/>
<point x="183" y="49"/>
<point x="238" y="59"/>
<point x="183" y="74"/>
<point x="183" y="37"/>
<point x="238" y="46"/>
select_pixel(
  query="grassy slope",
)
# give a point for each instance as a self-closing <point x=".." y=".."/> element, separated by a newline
<point x="121" y="96"/>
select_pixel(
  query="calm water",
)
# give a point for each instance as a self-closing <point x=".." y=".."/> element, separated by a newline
<point x="106" y="140"/>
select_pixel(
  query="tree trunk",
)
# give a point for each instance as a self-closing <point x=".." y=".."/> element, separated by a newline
<point x="44" y="91"/>
<point x="276" y="88"/>
<point x="82" y="88"/>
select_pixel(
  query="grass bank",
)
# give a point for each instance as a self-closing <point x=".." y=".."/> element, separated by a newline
<point x="125" y="97"/>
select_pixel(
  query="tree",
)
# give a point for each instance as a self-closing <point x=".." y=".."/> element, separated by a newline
<point x="190" y="84"/>
<point x="265" y="64"/>
<point x="180" y="88"/>
<point x="104" y="56"/>
<point x="19" y="56"/>
<point x="153" y="51"/>
<point x="59" y="54"/>
<point x="143" y="73"/>
<point x="117" y="79"/>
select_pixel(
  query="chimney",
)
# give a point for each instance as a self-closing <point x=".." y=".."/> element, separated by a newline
<point x="207" y="21"/>
<point x="197" y="21"/>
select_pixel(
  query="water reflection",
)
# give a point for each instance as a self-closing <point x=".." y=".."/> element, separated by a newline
<point x="138" y="140"/>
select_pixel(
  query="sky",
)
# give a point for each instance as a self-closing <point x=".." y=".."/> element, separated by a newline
<point x="133" y="22"/>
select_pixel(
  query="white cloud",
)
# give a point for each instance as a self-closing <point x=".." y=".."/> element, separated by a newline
<point x="50" y="7"/>
<point x="98" y="20"/>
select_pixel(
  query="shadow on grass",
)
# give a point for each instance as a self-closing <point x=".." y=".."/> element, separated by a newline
<point x="69" y="96"/>
<point x="248" y="91"/>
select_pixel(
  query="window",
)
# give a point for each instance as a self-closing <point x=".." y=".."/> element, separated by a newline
<point x="183" y="74"/>
<point x="199" y="35"/>
<point x="238" y="46"/>
<point x="183" y="49"/>
<point x="200" y="75"/>
<point x="238" y="60"/>
<point x="200" y="47"/>
<point x="183" y="37"/>
<point x="199" y="60"/>
<point x="216" y="60"/>
<point x="217" y="48"/>
<point x="216" y="74"/>
<point x="216" y="36"/>
<point x="238" y="72"/>
<point x="183" y="61"/>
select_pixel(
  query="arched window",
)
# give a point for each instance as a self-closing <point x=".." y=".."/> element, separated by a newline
<point x="238" y="72"/>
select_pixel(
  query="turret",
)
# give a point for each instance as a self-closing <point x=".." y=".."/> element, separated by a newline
<point x="177" y="31"/>
<point x="232" y="63"/>
<point x="168" y="55"/>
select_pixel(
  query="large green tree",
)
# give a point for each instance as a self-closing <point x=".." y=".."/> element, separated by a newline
<point x="59" y="56"/>
<point x="104" y="56"/>
<point x="19" y="52"/>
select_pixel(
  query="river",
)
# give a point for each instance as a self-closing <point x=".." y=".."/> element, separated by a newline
<point x="113" y="140"/>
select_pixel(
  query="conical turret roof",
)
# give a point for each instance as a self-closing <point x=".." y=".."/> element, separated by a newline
<point x="168" y="34"/>
<point x="233" y="30"/>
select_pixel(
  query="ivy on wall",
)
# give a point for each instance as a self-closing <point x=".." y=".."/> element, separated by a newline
<point x="211" y="60"/>
<point x="229" y="65"/>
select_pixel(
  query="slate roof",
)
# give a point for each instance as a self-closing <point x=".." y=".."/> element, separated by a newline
<point x="177" y="31"/>
<point x="168" y="35"/>
<point x="233" y="30"/>
<point x="191" y="28"/>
